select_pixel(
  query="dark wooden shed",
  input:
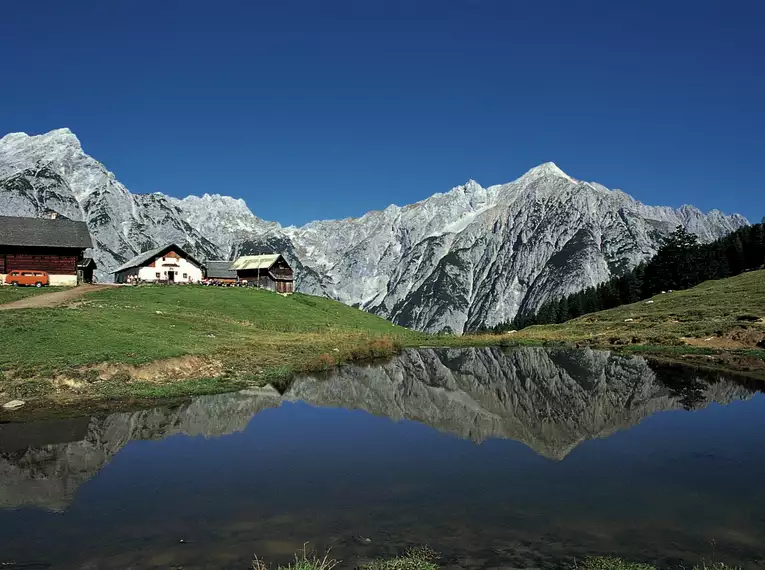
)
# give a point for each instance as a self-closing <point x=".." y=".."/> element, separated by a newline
<point x="54" y="245"/>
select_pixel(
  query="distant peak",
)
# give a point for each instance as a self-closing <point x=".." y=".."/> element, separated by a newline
<point x="547" y="169"/>
<point x="471" y="186"/>
<point x="58" y="136"/>
<point x="63" y="135"/>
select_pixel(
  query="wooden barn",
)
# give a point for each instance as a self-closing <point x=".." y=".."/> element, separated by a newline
<point x="220" y="272"/>
<point x="167" y="264"/>
<point x="54" y="245"/>
<point x="270" y="271"/>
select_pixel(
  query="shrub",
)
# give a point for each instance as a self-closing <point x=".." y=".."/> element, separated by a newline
<point x="611" y="563"/>
<point x="421" y="558"/>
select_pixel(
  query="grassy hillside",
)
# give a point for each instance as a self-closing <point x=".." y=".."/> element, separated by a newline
<point x="152" y="342"/>
<point x="715" y="316"/>
<point x="205" y="339"/>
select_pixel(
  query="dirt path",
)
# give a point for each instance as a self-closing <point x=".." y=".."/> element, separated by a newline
<point x="45" y="300"/>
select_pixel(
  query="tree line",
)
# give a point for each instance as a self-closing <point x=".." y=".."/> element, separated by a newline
<point x="681" y="262"/>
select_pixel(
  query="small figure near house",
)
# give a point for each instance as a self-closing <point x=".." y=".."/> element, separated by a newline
<point x="168" y="265"/>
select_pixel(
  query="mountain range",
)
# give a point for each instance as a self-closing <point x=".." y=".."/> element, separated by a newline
<point x="456" y="261"/>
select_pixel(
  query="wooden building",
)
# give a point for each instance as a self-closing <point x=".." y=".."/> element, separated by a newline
<point x="54" y="245"/>
<point x="270" y="271"/>
<point x="167" y="264"/>
<point x="220" y="272"/>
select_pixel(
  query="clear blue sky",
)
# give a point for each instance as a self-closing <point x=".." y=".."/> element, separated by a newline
<point x="327" y="109"/>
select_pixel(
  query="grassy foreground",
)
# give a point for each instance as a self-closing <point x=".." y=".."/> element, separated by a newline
<point x="423" y="558"/>
<point x="153" y="342"/>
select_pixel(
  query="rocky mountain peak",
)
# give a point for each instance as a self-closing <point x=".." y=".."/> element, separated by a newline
<point x="463" y="259"/>
<point x="547" y="169"/>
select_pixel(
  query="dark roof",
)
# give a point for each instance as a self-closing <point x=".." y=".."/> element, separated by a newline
<point x="148" y="256"/>
<point x="44" y="232"/>
<point x="219" y="270"/>
<point x="87" y="262"/>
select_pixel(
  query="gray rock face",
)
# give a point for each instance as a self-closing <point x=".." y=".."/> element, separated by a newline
<point x="473" y="256"/>
<point x="549" y="399"/>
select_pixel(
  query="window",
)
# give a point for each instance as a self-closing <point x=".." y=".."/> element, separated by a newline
<point x="157" y="274"/>
<point x="185" y="276"/>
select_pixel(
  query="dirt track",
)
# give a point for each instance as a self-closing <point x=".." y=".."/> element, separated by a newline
<point x="46" y="300"/>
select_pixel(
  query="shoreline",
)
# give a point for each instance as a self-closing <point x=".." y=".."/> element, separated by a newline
<point x="131" y="395"/>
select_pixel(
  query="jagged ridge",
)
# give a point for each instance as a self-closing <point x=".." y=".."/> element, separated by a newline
<point x="470" y="257"/>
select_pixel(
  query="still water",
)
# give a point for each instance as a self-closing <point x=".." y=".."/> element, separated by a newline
<point x="524" y="458"/>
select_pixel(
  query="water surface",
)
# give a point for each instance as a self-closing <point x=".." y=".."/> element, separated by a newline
<point x="528" y="458"/>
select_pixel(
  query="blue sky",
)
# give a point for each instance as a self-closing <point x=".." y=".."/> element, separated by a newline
<point x="327" y="109"/>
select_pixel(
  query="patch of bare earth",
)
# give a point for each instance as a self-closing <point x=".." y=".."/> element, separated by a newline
<point x="47" y="300"/>
<point x="167" y="370"/>
<point x="736" y="338"/>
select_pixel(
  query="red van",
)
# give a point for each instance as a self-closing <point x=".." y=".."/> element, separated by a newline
<point x="29" y="278"/>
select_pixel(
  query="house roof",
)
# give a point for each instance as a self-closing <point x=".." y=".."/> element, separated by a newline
<point x="44" y="232"/>
<point x="87" y="262"/>
<point x="148" y="256"/>
<point x="255" y="261"/>
<point x="220" y="270"/>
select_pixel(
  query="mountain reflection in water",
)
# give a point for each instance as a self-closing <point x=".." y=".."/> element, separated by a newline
<point x="551" y="400"/>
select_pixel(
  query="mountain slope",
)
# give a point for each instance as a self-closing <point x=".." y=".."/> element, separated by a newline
<point x="470" y="257"/>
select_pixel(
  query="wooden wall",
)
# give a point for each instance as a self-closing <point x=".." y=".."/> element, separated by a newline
<point x="56" y="261"/>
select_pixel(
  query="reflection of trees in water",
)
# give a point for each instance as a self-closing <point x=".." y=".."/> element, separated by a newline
<point x="691" y="386"/>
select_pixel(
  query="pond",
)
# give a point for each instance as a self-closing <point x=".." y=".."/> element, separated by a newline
<point x="519" y="458"/>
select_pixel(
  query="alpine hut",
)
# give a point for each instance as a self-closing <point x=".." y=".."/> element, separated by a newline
<point x="269" y="271"/>
<point x="166" y="264"/>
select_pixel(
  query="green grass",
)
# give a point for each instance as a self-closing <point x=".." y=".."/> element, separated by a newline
<point x="423" y="558"/>
<point x="420" y="558"/>
<point x="611" y="563"/>
<point x="251" y="336"/>
<point x="727" y="308"/>
<point x="9" y="293"/>
<point x="156" y="342"/>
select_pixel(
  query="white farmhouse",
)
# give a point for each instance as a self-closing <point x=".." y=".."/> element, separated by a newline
<point x="167" y="264"/>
